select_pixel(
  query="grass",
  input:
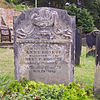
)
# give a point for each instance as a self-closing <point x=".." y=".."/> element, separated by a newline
<point x="7" y="61"/>
<point x="6" y="66"/>
<point x="84" y="73"/>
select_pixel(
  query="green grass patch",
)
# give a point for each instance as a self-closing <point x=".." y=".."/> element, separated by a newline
<point x="6" y="67"/>
<point x="7" y="61"/>
<point x="84" y="73"/>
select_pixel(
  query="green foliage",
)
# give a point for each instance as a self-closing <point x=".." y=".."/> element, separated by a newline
<point x="31" y="90"/>
<point x="94" y="7"/>
<point x="84" y="19"/>
<point x="4" y="80"/>
<point x="20" y="7"/>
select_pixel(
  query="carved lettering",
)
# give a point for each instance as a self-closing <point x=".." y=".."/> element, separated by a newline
<point x="44" y="57"/>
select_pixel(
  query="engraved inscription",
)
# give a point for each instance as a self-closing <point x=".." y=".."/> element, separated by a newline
<point x="44" y="57"/>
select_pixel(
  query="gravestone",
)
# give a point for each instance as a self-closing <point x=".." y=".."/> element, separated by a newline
<point x="5" y="33"/>
<point x="78" y="46"/>
<point x="91" y="43"/>
<point x="97" y="66"/>
<point x="44" y="45"/>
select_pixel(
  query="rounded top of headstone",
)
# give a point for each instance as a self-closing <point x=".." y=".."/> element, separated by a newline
<point x="44" y="22"/>
<point x="44" y="13"/>
<point x="96" y="31"/>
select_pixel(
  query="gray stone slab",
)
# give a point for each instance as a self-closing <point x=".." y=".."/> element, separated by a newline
<point x="44" y="45"/>
<point x="97" y="65"/>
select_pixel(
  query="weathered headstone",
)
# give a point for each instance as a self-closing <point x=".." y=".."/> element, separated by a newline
<point x="44" y="45"/>
<point x="91" y="43"/>
<point x="5" y="33"/>
<point x="78" y="46"/>
<point x="97" y="67"/>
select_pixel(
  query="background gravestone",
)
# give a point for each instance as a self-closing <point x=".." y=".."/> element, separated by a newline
<point x="44" y="45"/>
<point x="91" y="43"/>
<point x="97" y="67"/>
<point x="78" y="46"/>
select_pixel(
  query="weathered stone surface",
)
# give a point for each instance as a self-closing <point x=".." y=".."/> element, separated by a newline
<point x="44" y="44"/>
<point x="91" y="43"/>
<point x="78" y="46"/>
<point x="97" y="67"/>
<point x="6" y="17"/>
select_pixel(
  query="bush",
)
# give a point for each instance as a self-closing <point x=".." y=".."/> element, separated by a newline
<point x="31" y="90"/>
<point x="20" y="7"/>
<point x="84" y="19"/>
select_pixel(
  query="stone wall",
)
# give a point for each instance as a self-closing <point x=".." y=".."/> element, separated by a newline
<point x="6" y="16"/>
